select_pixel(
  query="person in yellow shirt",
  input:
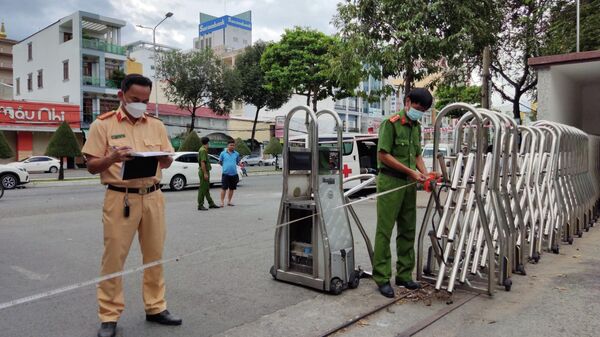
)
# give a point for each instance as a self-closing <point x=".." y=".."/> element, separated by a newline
<point x="130" y="206"/>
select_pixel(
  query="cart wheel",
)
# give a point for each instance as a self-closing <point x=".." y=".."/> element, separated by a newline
<point x="354" y="280"/>
<point x="580" y="233"/>
<point x="570" y="240"/>
<point x="336" y="286"/>
<point x="535" y="258"/>
<point x="555" y="249"/>
<point x="507" y="284"/>
<point x="272" y="271"/>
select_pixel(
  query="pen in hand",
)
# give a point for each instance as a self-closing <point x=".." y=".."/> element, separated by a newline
<point x="120" y="153"/>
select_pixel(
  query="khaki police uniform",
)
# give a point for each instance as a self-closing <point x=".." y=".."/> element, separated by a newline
<point x="401" y="138"/>
<point x="146" y="210"/>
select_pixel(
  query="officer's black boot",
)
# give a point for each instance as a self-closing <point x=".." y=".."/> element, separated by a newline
<point x="386" y="290"/>
<point x="164" y="318"/>
<point x="107" y="329"/>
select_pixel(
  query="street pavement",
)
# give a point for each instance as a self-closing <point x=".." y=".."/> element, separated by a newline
<point x="51" y="236"/>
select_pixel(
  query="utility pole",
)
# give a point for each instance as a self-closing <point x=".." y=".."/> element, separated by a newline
<point x="577" y="26"/>
<point x="485" y="86"/>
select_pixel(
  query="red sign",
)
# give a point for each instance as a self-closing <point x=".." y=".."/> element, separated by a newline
<point x="22" y="113"/>
<point x="346" y="171"/>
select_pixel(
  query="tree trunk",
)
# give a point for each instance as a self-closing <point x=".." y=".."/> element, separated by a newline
<point x="254" y="128"/>
<point x="61" y="170"/>
<point x="485" y="85"/>
<point x="308" y="99"/>
<point x="192" y="124"/>
<point x="516" y="106"/>
<point x="314" y="102"/>
<point x="408" y="80"/>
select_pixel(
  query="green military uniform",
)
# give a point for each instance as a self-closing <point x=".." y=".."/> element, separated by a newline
<point x="400" y="137"/>
<point x="204" y="189"/>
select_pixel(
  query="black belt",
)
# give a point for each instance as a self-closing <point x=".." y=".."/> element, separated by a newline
<point x="143" y="190"/>
<point x="393" y="173"/>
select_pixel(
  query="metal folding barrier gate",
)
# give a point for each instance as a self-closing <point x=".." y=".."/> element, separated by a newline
<point x="509" y="193"/>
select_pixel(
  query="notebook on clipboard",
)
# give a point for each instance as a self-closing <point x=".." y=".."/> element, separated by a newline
<point x="143" y="165"/>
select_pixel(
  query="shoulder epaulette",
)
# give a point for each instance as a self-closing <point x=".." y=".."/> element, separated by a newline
<point x="394" y="118"/>
<point x="106" y="115"/>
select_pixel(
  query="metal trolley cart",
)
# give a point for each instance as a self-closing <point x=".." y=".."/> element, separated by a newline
<point x="314" y="245"/>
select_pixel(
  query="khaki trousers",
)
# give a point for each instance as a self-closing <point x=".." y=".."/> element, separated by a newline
<point x="147" y="218"/>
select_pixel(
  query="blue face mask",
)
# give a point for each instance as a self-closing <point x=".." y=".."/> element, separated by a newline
<point x="414" y="114"/>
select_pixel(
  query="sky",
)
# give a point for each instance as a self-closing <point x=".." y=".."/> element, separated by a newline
<point x="269" y="17"/>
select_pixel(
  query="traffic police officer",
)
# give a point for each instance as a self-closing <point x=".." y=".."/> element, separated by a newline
<point x="400" y="164"/>
<point x="204" y="173"/>
<point x="130" y="206"/>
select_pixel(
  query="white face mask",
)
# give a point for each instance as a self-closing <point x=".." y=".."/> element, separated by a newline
<point x="136" y="109"/>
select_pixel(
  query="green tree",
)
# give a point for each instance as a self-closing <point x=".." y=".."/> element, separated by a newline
<point x="562" y="38"/>
<point x="191" y="143"/>
<point x="274" y="148"/>
<point x="525" y="29"/>
<point x="305" y="62"/>
<point x="5" y="150"/>
<point x="413" y="39"/>
<point x="196" y="79"/>
<point x="253" y="89"/>
<point x="63" y="144"/>
<point x="446" y="94"/>
<point x="117" y="77"/>
<point x="241" y="147"/>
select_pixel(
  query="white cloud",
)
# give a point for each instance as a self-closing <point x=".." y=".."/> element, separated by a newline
<point x="269" y="17"/>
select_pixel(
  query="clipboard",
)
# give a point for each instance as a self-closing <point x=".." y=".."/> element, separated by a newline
<point x="143" y="165"/>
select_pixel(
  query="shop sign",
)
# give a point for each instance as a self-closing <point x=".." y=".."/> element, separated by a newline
<point x="38" y="114"/>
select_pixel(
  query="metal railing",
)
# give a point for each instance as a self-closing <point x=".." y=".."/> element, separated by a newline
<point x="95" y="82"/>
<point x="102" y="46"/>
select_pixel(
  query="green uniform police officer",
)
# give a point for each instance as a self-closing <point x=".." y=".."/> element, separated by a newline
<point x="204" y="173"/>
<point x="400" y="164"/>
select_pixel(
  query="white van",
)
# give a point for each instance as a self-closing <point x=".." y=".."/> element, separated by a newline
<point x="359" y="152"/>
<point x="445" y="149"/>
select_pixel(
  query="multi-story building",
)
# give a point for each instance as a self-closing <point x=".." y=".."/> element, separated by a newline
<point x="225" y="33"/>
<point x="78" y="59"/>
<point x="6" y="65"/>
<point x="360" y="115"/>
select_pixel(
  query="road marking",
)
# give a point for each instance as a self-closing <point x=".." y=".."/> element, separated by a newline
<point x="96" y="280"/>
<point x="30" y="274"/>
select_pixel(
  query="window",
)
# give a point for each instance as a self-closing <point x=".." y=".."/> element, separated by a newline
<point x="40" y="78"/>
<point x="188" y="158"/>
<point x="29" y="51"/>
<point x="65" y="70"/>
<point x="67" y="36"/>
<point x="30" y="82"/>
<point x="18" y="85"/>
<point x="66" y="99"/>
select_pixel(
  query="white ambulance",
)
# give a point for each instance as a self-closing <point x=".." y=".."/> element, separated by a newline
<point x="359" y="152"/>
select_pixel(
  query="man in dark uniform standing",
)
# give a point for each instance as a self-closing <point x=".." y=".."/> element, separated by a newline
<point x="204" y="173"/>
<point x="400" y="164"/>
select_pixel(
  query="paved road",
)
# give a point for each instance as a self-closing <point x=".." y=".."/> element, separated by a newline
<point x="52" y="236"/>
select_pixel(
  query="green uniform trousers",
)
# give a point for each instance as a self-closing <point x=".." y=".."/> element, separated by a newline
<point x="399" y="207"/>
<point x="204" y="192"/>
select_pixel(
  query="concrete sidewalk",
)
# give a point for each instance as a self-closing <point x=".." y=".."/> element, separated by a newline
<point x="559" y="296"/>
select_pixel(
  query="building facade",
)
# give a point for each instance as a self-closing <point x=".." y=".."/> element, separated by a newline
<point x="6" y="65"/>
<point x="28" y="126"/>
<point x="225" y="33"/>
<point x="78" y="59"/>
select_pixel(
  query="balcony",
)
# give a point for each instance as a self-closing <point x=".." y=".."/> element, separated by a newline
<point x="95" y="82"/>
<point x="102" y="46"/>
